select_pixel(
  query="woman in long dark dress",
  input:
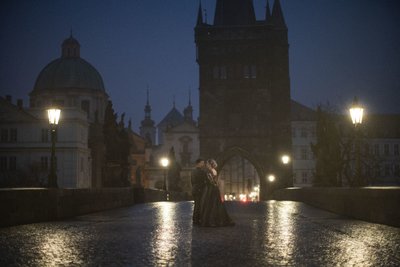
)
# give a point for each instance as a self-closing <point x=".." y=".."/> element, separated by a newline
<point x="213" y="212"/>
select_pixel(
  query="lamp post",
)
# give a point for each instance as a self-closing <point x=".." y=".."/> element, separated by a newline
<point x="164" y="163"/>
<point x="356" y="114"/>
<point x="54" y="116"/>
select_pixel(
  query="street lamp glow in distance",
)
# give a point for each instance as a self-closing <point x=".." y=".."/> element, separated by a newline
<point x="54" y="115"/>
<point x="285" y="159"/>
<point x="356" y="114"/>
<point x="271" y="178"/>
<point x="164" y="163"/>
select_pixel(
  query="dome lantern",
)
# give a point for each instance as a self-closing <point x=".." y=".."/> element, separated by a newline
<point x="70" y="48"/>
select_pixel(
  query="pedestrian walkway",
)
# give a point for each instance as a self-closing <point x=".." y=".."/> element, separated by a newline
<point x="272" y="233"/>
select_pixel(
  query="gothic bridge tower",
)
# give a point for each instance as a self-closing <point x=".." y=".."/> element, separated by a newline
<point x="245" y="89"/>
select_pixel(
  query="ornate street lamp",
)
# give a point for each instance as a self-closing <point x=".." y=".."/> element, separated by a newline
<point x="54" y="117"/>
<point x="356" y="114"/>
<point x="164" y="163"/>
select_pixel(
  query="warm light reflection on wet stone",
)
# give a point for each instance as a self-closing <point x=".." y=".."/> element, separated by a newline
<point x="273" y="233"/>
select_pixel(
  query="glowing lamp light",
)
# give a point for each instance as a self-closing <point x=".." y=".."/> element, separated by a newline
<point x="271" y="178"/>
<point x="285" y="159"/>
<point x="54" y="115"/>
<point x="356" y="112"/>
<point x="164" y="162"/>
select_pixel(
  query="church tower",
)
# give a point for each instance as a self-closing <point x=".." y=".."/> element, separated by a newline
<point x="244" y="88"/>
<point x="147" y="128"/>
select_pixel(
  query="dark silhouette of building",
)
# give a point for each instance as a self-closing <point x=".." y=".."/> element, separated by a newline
<point x="245" y="88"/>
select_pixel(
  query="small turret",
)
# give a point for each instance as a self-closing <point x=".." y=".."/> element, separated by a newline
<point x="70" y="47"/>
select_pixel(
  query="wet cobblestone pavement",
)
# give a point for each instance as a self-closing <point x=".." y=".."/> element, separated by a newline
<point x="272" y="233"/>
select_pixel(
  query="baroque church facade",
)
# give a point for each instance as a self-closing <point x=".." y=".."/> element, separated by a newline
<point x="83" y="158"/>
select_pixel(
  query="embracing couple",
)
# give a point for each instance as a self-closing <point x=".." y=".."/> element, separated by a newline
<point x="209" y="210"/>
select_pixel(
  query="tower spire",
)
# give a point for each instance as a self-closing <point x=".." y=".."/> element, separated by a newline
<point x="267" y="13"/>
<point x="190" y="97"/>
<point x="277" y="15"/>
<point x="199" y="16"/>
<point x="147" y="108"/>
<point x="188" y="111"/>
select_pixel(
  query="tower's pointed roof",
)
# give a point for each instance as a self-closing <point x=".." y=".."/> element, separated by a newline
<point x="147" y="122"/>
<point x="199" y="16"/>
<point x="267" y="13"/>
<point x="277" y="15"/>
<point x="173" y="118"/>
<point x="234" y="12"/>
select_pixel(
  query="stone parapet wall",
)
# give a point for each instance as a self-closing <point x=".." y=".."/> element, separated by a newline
<point x="30" y="205"/>
<point x="372" y="204"/>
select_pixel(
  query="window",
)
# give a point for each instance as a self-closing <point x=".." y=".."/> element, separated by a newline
<point x="3" y="163"/>
<point x="386" y="149"/>
<point x="366" y="149"/>
<point x="304" y="132"/>
<point x="253" y="71"/>
<point x="250" y="71"/>
<point x="82" y="164"/>
<point x="12" y="164"/>
<point x="303" y="153"/>
<point x="85" y="105"/>
<point x="13" y="135"/>
<point x="45" y="135"/>
<point x="387" y="169"/>
<point x="397" y="169"/>
<point x="376" y="149"/>
<point x="304" y="177"/>
<point x="294" y="177"/>
<point x="44" y="163"/>
<point x="4" y="135"/>
<point x="396" y="149"/>
<point x="293" y="132"/>
<point x="219" y="72"/>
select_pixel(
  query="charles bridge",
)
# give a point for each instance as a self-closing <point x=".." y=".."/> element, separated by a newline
<point x="60" y="228"/>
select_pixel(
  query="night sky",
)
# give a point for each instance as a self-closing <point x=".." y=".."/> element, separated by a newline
<point x="338" y="49"/>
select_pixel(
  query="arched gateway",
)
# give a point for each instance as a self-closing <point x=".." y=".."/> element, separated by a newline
<point x="245" y="88"/>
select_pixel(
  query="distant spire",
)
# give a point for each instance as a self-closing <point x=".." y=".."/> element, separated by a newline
<point x="147" y="92"/>
<point x="205" y="16"/>
<point x="267" y="13"/>
<point x="147" y="108"/>
<point x="173" y="101"/>
<point x="199" y="16"/>
<point x="71" y="34"/>
<point x="188" y="111"/>
<point x="277" y="15"/>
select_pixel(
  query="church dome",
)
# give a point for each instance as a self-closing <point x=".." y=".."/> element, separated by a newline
<point x="69" y="71"/>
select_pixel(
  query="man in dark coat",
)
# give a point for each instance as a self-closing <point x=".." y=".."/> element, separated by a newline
<point x="198" y="179"/>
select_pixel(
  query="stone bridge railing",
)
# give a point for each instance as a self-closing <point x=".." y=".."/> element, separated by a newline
<point x="30" y="205"/>
<point x="372" y="204"/>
